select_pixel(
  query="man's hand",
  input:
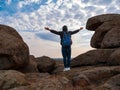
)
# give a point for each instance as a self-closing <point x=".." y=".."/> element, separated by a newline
<point x="46" y="28"/>
<point x="81" y="28"/>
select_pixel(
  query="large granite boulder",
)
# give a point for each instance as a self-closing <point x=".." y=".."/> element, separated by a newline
<point x="101" y="31"/>
<point x="97" y="57"/>
<point x="93" y="57"/>
<point x="112" y="84"/>
<point x="114" y="58"/>
<point x="111" y="39"/>
<point x="106" y="27"/>
<point x="89" y="79"/>
<point x="44" y="81"/>
<point x="14" y="52"/>
<point x="92" y="77"/>
<point x="94" y="22"/>
<point x="11" y="78"/>
<point x="31" y="67"/>
<point x="45" y="64"/>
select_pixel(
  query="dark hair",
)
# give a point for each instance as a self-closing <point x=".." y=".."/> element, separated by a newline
<point x="64" y="28"/>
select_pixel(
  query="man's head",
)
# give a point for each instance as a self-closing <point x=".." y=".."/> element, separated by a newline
<point x="64" y="28"/>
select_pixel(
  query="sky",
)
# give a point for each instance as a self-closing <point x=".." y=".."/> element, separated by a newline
<point x="29" y="17"/>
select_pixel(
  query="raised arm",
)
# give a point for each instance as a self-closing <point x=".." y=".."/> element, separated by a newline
<point x="76" y="31"/>
<point x="52" y="31"/>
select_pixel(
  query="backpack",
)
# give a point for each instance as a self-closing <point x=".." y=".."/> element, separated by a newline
<point x="66" y="40"/>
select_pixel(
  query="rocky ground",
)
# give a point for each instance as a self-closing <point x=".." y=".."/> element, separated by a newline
<point x="98" y="69"/>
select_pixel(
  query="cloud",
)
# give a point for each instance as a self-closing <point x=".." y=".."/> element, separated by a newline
<point x="29" y="5"/>
<point x="102" y="2"/>
<point x="59" y="12"/>
<point x="28" y="2"/>
<point x="34" y="16"/>
<point x="48" y="36"/>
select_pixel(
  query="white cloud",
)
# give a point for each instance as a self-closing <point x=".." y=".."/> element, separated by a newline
<point x="27" y="2"/>
<point x="49" y="1"/>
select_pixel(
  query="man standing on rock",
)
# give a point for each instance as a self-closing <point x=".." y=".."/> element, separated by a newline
<point x="66" y="43"/>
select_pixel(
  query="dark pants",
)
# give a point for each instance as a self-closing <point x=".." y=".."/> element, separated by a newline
<point x="66" y="53"/>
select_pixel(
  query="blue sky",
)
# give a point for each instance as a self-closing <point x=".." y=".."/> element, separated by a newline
<point x="29" y="17"/>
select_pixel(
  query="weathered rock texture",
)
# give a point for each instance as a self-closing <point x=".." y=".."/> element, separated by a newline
<point x="103" y="71"/>
<point x="14" y="52"/>
<point x="107" y="30"/>
<point x="93" y="57"/>
<point x="10" y="79"/>
<point x="31" y="67"/>
<point x="45" y="64"/>
<point x="106" y="39"/>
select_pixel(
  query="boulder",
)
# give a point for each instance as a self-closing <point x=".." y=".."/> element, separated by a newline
<point x="93" y="57"/>
<point x="14" y="53"/>
<point x="44" y="81"/>
<point x="31" y="67"/>
<point x="106" y="29"/>
<point x="11" y="78"/>
<point x="111" y="38"/>
<point x="36" y="77"/>
<point x="89" y="79"/>
<point x="112" y="84"/>
<point x="80" y="81"/>
<point x="45" y="64"/>
<point x="114" y="58"/>
<point x="94" y="22"/>
<point x="101" y="31"/>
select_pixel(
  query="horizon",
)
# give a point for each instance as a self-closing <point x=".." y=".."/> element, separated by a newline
<point x="29" y="17"/>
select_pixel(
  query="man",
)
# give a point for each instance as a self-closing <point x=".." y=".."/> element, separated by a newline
<point x="66" y="48"/>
